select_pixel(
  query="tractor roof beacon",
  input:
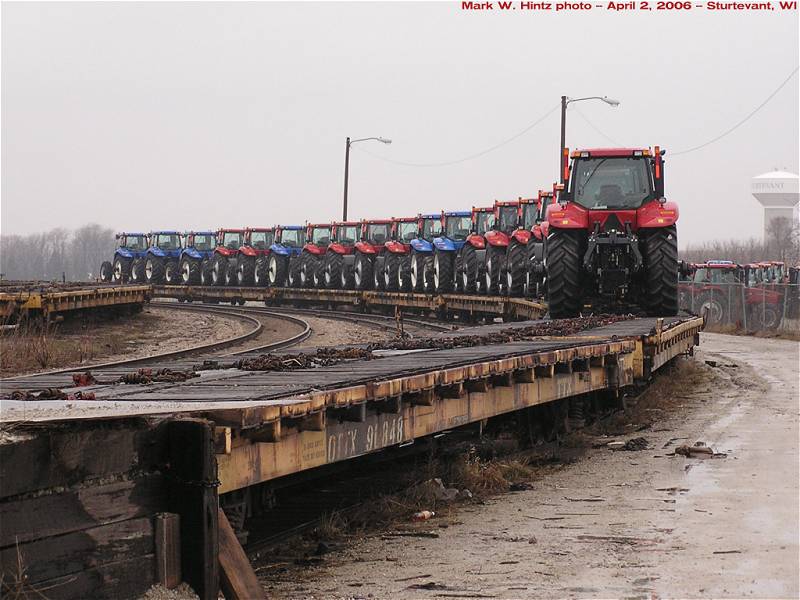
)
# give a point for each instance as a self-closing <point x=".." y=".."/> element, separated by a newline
<point x="612" y="236"/>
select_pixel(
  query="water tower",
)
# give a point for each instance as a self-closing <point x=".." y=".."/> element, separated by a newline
<point x="778" y="193"/>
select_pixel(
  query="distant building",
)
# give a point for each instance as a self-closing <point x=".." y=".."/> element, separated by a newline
<point x="778" y="193"/>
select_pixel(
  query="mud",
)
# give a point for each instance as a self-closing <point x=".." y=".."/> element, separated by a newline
<point x="643" y="524"/>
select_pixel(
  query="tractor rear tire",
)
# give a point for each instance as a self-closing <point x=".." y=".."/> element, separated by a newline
<point x="260" y="276"/>
<point x="294" y="271"/>
<point x="190" y="272"/>
<point x="171" y="273"/>
<point x="318" y="276"/>
<point x="363" y="272"/>
<point x="428" y="283"/>
<point x="443" y="279"/>
<point x="516" y="267"/>
<point x="278" y="270"/>
<point x="219" y="267"/>
<point x="245" y="273"/>
<point x="404" y="274"/>
<point x="391" y="273"/>
<point x="205" y="271"/>
<point x="307" y="268"/>
<point x="714" y="306"/>
<point x="564" y="273"/>
<point x="122" y="270"/>
<point x="495" y="257"/>
<point x="469" y="270"/>
<point x="106" y="271"/>
<point x="334" y="265"/>
<point x="660" y="254"/>
<point x="137" y="270"/>
<point x="416" y="271"/>
<point x="231" y="278"/>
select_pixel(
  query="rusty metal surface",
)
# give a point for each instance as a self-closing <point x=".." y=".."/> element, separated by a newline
<point x="57" y="299"/>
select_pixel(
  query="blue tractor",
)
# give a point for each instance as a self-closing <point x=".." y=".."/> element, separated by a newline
<point x="419" y="263"/>
<point x="456" y="227"/>
<point x="161" y="259"/>
<point x="281" y="265"/>
<point x="128" y="262"/>
<point x="198" y="246"/>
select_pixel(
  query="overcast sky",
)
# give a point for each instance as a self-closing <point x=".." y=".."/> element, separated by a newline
<point x="155" y="115"/>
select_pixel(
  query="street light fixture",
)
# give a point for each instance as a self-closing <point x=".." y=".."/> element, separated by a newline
<point x="347" y="166"/>
<point x="564" y="103"/>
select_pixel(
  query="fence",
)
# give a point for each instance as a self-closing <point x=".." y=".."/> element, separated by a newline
<point x="760" y="308"/>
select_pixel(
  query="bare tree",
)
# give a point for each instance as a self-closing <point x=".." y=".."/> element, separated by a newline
<point x="784" y="239"/>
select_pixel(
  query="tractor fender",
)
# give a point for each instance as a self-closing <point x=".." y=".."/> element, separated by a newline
<point x="476" y="241"/>
<point x="341" y="249"/>
<point x="397" y="247"/>
<point x="655" y="214"/>
<point x="248" y="251"/>
<point x="295" y="251"/>
<point x="761" y="295"/>
<point x="445" y="244"/>
<point x="498" y="239"/>
<point x="310" y="248"/>
<point x="571" y="216"/>
<point x="366" y="248"/>
<point x="155" y="251"/>
<point x="521" y="236"/>
<point x="279" y="250"/>
<point x="192" y="253"/>
<point x="226" y="252"/>
<point x="420" y="245"/>
<point x="124" y="253"/>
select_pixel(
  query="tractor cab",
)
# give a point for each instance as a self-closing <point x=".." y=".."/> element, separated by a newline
<point x="403" y="231"/>
<point x="133" y="242"/>
<point x="289" y="236"/>
<point x="483" y="220"/>
<point x="345" y="235"/>
<point x="199" y="241"/>
<point x="229" y="241"/>
<point x="375" y="233"/>
<point x="777" y="271"/>
<point x="754" y="274"/>
<point x="166" y="241"/>
<point x="257" y="241"/>
<point x="318" y="237"/>
<point x="429" y="227"/>
<point x="718" y="272"/>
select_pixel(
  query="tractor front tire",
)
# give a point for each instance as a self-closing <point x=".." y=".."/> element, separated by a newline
<point x="443" y="272"/>
<point x="715" y="308"/>
<point x="660" y="254"/>
<point x="294" y="271"/>
<point x="106" y="271"/>
<point x="469" y="270"/>
<point x="260" y="273"/>
<point x="564" y="273"/>
<point x="278" y="270"/>
<point x="205" y="271"/>
<point x="334" y="266"/>
<point x="231" y="278"/>
<point x="171" y="273"/>
<point x="391" y="273"/>
<point x="416" y="270"/>
<point x="516" y="267"/>
<point x="190" y="272"/>
<point x="219" y="267"/>
<point x="154" y="270"/>
<point x="245" y="272"/>
<point x="363" y="272"/>
<point x="122" y="270"/>
<point x="137" y="270"/>
<point x="495" y="257"/>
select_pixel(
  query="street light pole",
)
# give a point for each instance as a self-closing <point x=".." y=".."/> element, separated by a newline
<point x="565" y="101"/>
<point x="347" y="166"/>
<point x="346" y="177"/>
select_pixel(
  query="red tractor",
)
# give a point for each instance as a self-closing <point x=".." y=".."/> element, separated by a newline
<point x="533" y="220"/>
<point x="255" y="246"/>
<point x="471" y="257"/>
<point x="504" y="228"/>
<point x="613" y="239"/>
<point x="368" y="254"/>
<point x="716" y="290"/>
<point x="220" y="266"/>
<point x="763" y="297"/>
<point x="311" y="265"/>
<point x="393" y="267"/>
<point x="340" y="255"/>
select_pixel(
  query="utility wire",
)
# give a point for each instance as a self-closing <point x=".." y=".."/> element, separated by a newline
<point x="466" y="158"/>
<point x="593" y="126"/>
<point x="743" y="121"/>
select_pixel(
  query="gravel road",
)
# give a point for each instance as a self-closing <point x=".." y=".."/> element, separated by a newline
<point x="645" y="524"/>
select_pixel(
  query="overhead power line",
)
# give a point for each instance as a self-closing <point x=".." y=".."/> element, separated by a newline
<point x="593" y="126"/>
<point x="466" y="158"/>
<point x="743" y="121"/>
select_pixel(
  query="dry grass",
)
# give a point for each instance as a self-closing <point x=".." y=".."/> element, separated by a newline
<point x="33" y="346"/>
<point x="778" y="334"/>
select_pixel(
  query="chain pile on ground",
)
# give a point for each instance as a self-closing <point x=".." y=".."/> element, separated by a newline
<point x="159" y="376"/>
<point x="289" y="362"/>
